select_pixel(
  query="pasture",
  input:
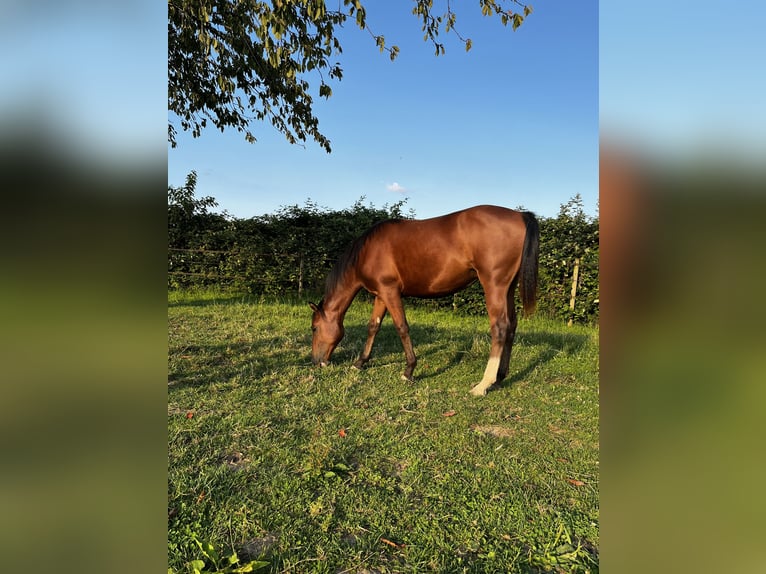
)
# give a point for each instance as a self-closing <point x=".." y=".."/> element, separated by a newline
<point x="344" y="471"/>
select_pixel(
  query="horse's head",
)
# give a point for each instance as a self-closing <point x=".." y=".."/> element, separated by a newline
<point x="327" y="331"/>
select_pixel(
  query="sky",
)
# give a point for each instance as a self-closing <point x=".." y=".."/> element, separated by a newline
<point x="90" y="74"/>
<point x="685" y="79"/>
<point x="513" y="122"/>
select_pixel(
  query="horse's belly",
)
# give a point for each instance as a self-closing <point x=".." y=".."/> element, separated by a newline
<point x="437" y="285"/>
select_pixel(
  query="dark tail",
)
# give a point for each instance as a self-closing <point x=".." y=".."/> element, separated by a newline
<point x="529" y="261"/>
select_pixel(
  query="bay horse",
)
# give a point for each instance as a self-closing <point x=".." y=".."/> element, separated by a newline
<point x="432" y="258"/>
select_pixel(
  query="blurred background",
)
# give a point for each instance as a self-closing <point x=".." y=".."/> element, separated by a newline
<point x="683" y="278"/>
<point x="82" y="285"/>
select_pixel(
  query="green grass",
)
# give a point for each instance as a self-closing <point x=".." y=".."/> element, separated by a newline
<point x="338" y="470"/>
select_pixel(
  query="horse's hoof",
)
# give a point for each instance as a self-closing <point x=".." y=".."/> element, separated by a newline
<point x="408" y="379"/>
<point x="478" y="391"/>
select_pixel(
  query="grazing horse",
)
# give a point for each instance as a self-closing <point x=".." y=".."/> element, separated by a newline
<point x="432" y="258"/>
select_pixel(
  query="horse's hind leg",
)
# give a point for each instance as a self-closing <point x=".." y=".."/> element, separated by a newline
<point x="378" y="312"/>
<point x="500" y="324"/>
<point x="505" y="358"/>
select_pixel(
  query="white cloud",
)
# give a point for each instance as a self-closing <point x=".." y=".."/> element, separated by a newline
<point x="395" y="187"/>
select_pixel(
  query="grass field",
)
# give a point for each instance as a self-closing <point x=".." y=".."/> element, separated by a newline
<point x="338" y="470"/>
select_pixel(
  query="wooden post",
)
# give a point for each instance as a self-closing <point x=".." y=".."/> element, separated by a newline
<point x="300" y="276"/>
<point x="575" y="274"/>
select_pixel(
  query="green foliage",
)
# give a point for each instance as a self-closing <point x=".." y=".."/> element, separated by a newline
<point x="187" y="216"/>
<point x="295" y="247"/>
<point x="292" y="250"/>
<point x="564" y="239"/>
<point x="234" y="61"/>
<point x="563" y="553"/>
<point x="196" y="236"/>
<point x="213" y="562"/>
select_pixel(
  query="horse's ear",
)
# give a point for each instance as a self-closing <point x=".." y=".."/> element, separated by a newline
<point x="313" y="306"/>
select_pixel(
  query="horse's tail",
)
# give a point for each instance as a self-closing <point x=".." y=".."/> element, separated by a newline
<point x="529" y="263"/>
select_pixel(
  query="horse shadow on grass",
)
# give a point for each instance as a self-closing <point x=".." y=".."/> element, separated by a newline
<point x="431" y="340"/>
<point x="550" y="345"/>
<point x="203" y="365"/>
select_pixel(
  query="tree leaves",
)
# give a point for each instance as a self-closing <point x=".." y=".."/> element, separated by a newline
<point x="325" y="91"/>
<point x="234" y="62"/>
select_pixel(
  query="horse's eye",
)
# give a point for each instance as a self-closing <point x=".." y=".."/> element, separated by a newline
<point x="313" y="329"/>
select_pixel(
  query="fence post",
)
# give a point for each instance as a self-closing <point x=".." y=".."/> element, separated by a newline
<point x="575" y="274"/>
<point x="300" y="276"/>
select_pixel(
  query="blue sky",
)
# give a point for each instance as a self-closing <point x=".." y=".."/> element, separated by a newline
<point x="91" y="72"/>
<point x="686" y="78"/>
<point x="512" y="122"/>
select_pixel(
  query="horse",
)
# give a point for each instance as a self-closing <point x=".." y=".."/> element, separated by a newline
<point x="433" y="258"/>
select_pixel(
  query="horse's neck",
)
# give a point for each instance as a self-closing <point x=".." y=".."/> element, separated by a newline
<point x="339" y="300"/>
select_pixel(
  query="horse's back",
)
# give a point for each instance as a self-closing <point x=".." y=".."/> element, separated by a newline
<point x="443" y="254"/>
<point x="492" y="227"/>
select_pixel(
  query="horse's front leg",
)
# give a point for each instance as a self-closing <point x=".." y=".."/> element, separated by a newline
<point x="378" y="312"/>
<point x="396" y="308"/>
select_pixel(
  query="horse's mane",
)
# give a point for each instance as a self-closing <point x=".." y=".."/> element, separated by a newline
<point x="350" y="257"/>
